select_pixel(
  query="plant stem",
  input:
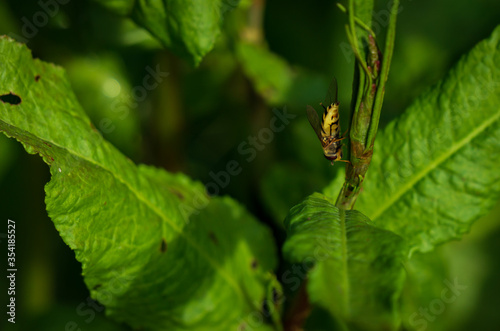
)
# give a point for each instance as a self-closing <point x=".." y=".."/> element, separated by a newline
<point x="372" y="75"/>
<point x="386" y="64"/>
<point x="299" y="311"/>
<point x="357" y="20"/>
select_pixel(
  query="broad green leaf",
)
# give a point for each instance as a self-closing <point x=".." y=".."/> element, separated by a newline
<point x="435" y="169"/>
<point x="155" y="249"/>
<point x="357" y="272"/>
<point x="364" y="10"/>
<point x="188" y="27"/>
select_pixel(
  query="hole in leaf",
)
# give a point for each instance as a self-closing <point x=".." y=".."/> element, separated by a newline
<point x="37" y="78"/>
<point x="163" y="246"/>
<point x="10" y="98"/>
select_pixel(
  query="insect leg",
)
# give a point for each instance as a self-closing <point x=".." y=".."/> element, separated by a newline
<point x="346" y="161"/>
<point x="339" y="139"/>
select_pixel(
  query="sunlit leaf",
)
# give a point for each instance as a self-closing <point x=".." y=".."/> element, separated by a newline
<point x="357" y="272"/>
<point x="155" y="249"/>
<point x="435" y="169"/>
<point x="188" y="27"/>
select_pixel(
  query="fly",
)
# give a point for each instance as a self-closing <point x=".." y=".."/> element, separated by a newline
<point x="328" y="130"/>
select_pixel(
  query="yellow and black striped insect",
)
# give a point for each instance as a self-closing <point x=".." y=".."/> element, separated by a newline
<point x="328" y="130"/>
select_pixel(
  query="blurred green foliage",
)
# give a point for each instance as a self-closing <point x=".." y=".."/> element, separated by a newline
<point x="269" y="54"/>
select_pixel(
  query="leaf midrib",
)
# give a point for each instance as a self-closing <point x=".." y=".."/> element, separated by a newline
<point x="345" y="261"/>
<point x="212" y="262"/>
<point x="144" y="200"/>
<point x="433" y="165"/>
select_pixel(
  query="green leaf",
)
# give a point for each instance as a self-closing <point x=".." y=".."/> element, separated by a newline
<point x="435" y="169"/>
<point x="357" y="270"/>
<point x="187" y="27"/>
<point x="364" y="10"/>
<point x="155" y="249"/>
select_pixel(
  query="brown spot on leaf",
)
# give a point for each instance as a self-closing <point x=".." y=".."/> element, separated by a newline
<point x="97" y="286"/>
<point x="254" y="264"/>
<point x="276" y="296"/>
<point x="213" y="238"/>
<point x="177" y="193"/>
<point x="163" y="246"/>
<point x="37" y="78"/>
<point x="46" y="143"/>
<point x="10" y="98"/>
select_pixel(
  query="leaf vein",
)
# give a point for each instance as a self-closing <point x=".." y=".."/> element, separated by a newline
<point x="433" y="165"/>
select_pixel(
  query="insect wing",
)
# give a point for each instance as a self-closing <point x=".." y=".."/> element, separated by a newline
<point x="331" y="94"/>
<point x="313" y="118"/>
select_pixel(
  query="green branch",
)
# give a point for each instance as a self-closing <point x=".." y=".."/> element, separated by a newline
<point x="386" y="64"/>
<point x="372" y="76"/>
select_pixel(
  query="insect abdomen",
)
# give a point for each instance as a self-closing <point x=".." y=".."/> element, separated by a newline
<point x="330" y="122"/>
